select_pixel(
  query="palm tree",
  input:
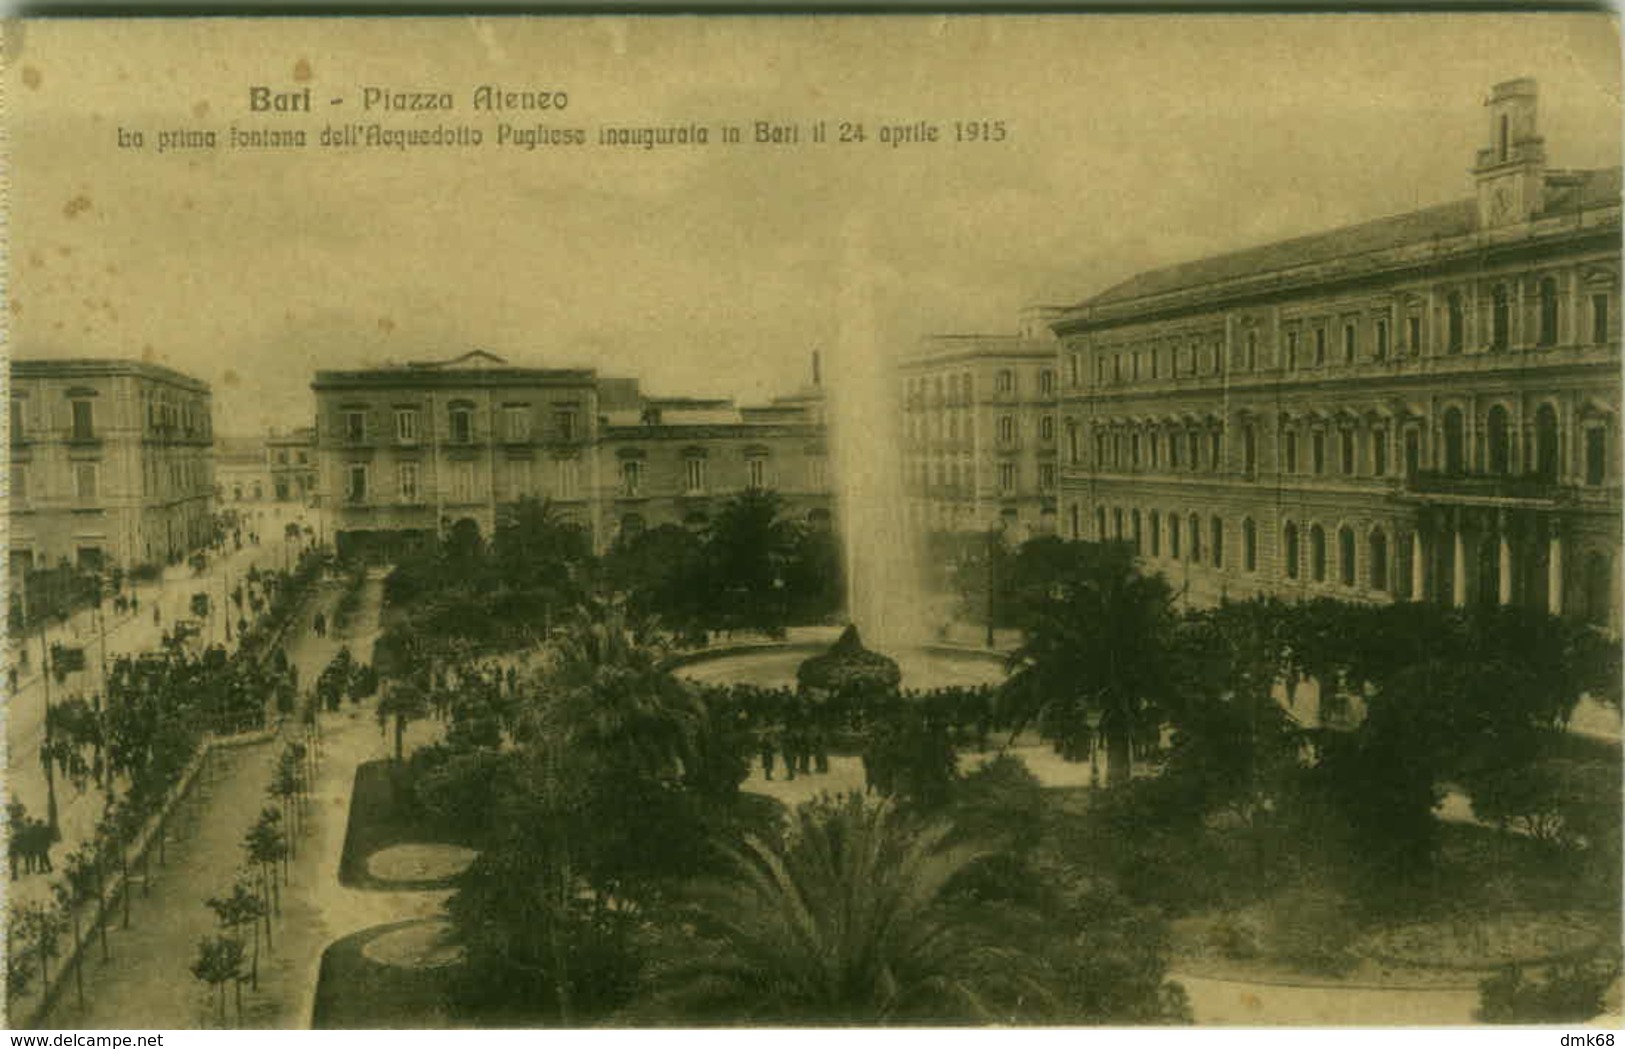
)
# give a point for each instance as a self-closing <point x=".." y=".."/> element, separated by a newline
<point x="1096" y="654"/>
<point x="848" y="920"/>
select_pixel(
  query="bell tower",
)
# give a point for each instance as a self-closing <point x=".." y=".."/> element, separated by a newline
<point x="1511" y="169"/>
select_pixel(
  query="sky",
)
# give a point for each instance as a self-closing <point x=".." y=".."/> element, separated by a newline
<point x="1131" y="142"/>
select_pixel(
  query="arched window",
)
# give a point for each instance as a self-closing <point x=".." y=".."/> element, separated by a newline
<point x="1377" y="559"/>
<point x="1100" y="524"/>
<point x="1249" y="545"/>
<point x="1454" y="323"/>
<point x="1500" y="317"/>
<point x="1117" y="523"/>
<point x="1548" y="312"/>
<point x="1134" y="528"/>
<point x="1345" y="555"/>
<point x="1155" y="524"/>
<point x="1596" y="453"/>
<point x="1546" y="443"/>
<point x="1173" y="536"/>
<point x="1196" y="539"/>
<point x="1216" y="541"/>
<point x="1454" y="438"/>
<point x="1499" y="450"/>
<point x="1289" y="544"/>
<point x="1317" y="553"/>
<point x="1249" y="450"/>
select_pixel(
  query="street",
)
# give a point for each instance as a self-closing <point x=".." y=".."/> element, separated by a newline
<point x="128" y="633"/>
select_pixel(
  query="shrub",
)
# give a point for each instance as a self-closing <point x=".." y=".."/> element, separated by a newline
<point x="1310" y="927"/>
<point x="1570" y="991"/>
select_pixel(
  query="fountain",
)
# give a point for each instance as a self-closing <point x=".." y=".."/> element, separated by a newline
<point x="885" y="594"/>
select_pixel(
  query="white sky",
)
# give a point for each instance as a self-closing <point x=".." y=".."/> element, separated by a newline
<point x="1135" y="141"/>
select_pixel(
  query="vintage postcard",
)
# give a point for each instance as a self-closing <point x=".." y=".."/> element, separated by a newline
<point x="726" y="521"/>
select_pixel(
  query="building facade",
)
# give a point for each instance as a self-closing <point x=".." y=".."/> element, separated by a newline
<point x="980" y="431"/>
<point x="404" y="453"/>
<point x="678" y="460"/>
<point x="1423" y="407"/>
<point x="111" y="464"/>
<point x="241" y="474"/>
<point x="291" y="459"/>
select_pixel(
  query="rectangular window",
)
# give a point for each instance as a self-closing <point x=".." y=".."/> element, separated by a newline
<point x="408" y="481"/>
<point x="516" y="422"/>
<point x="18" y="434"/>
<point x="1382" y="339"/>
<point x="1320" y="347"/>
<point x="462" y="425"/>
<point x="1348" y="343"/>
<point x="406" y="425"/>
<point x="818" y="468"/>
<point x="355" y="482"/>
<point x="1346" y="447"/>
<point x="568" y="478"/>
<point x="355" y="426"/>
<point x="84" y="482"/>
<point x="756" y="472"/>
<point x="694" y="475"/>
<point x="1379" y="453"/>
<point x="1318" y="452"/>
<point x="1413" y="336"/>
<point x="1289" y="452"/>
<point x="564" y="424"/>
<point x="1046" y="477"/>
<point x="1413" y="452"/>
<point x="84" y="420"/>
<point x="1007" y="429"/>
<point x="1292" y="351"/>
<point x="1599" y="317"/>
<point x="631" y="477"/>
<point x="1046" y="380"/>
<point x="19" y="484"/>
<point x="1007" y="477"/>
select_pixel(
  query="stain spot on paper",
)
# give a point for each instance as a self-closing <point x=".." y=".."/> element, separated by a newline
<point x="301" y="70"/>
<point x="386" y="325"/>
<point x="73" y="207"/>
<point x="229" y="379"/>
<point x="31" y="78"/>
<point x="200" y="109"/>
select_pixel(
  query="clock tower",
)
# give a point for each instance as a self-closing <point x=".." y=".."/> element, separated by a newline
<point x="1511" y="170"/>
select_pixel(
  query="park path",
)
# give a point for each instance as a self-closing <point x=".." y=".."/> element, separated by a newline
<point x="148" y="982"/>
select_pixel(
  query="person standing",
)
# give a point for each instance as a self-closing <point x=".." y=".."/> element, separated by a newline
<point x="767" y="753"/>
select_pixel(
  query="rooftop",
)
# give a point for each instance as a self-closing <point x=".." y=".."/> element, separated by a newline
<point x="101" y="367"/>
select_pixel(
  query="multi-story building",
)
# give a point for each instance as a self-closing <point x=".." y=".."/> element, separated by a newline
<point x="1423" y="407"/>
<point x="979" y="430"/>
<point x="240" y="471"/>
<point x="291" y="458"/>
<point x="676" y="460"/>
<point x="111" y="464"/>
<point x="406" y="452"/>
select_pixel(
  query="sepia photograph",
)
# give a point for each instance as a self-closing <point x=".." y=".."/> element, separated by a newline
<point x="1067" y="520"/>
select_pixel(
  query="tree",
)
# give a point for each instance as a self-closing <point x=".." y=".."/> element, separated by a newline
<point x="404" y="700"/>
<point x="844" y="921"/>
<point x="219" y="961"/>
<point x="243" y="906"/>
<point x="747" y="555"/>
<point x="1097" y="640"/>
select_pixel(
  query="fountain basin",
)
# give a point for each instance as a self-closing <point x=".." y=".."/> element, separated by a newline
<point x="773" y="665"/>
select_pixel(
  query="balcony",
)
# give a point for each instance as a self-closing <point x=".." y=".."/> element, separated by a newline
<point x="1476" y="488"/>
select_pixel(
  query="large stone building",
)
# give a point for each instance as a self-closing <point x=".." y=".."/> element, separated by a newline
<point x="291" y="458"/>
<point x="677" y="460"/>
<point x="111" y="464"/>
<point x="979" y="431"/>
<point x="241" y="473"/>
<point x="406" y="452"/>
<point x="1423" y="407"/>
